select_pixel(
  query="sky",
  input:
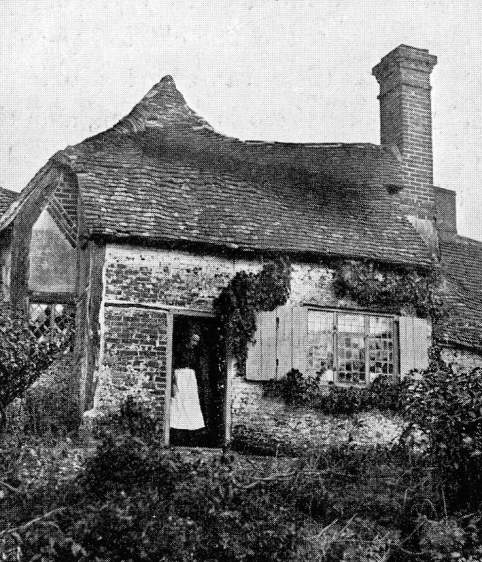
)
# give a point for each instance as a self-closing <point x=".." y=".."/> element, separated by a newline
<point x="286" y="70"/>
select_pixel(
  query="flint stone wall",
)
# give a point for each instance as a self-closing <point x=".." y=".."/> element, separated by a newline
<point x="461" y="359"/>
<point x="267" y="418"/>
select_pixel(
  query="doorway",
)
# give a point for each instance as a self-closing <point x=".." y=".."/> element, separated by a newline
<point x="195" y="353"/>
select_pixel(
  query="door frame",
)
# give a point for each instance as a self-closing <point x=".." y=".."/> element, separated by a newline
<point x="171" y="314"/>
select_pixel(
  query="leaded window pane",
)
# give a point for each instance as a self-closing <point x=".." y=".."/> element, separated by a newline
<point x="359" y="347"/>
<point x="351" y="358"/>
<point x="381" y="359"/>
<point x="351" y="348"/>
<point x="320" y="341"/>
<point x="47" y="319"/>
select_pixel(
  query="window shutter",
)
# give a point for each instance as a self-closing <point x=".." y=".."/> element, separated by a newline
<point x="300" y="338"/>
<point x="415" y="340"/>
<point x="261" y="360"/>
<point x="284" y="346"/>
<point x="253" y="359"/>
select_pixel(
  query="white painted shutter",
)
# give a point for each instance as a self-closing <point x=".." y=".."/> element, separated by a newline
<point x="284" y="346"/>
<point x="415" y="340"/>
<point x="300" y="338"/>
<point x="261" y="360"/>
<point x="281" y="343"/>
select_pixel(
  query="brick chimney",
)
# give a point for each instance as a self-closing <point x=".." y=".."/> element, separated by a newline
<point x="406" y="122"/>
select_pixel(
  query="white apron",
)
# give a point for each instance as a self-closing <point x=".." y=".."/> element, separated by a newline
<point x="185" y="407"/>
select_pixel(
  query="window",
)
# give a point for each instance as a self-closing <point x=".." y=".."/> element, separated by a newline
<point x="47" y="319"/>
<point x="358" y="347"/>
<point x="347" y="347"/>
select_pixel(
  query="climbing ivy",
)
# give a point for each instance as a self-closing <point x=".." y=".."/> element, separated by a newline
<point x="245" y="295"/>
<point x="371" y="286"/>
<point x="393" y="288"/>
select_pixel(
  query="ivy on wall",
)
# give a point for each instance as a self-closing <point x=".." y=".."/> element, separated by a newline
<point x="245" y="295"/>
<point x="389" y="288"/>
<point x="370" y="286"/>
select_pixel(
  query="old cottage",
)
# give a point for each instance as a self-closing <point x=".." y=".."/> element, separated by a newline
<point x="136" y="230"/>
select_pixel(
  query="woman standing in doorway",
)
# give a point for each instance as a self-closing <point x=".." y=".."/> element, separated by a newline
<point x="186" y="414"/>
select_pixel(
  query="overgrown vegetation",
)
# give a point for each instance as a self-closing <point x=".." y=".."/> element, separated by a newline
<point x="382" y="288"/>
<point x="51" y="405"/>
<point x="382" y="394"/>
<point x="446" y="404"/>
<point x="133" y="500"/>
<point x="136" y="501"/>
<point x="245" y="295"/>
<point x="24" y="357"/>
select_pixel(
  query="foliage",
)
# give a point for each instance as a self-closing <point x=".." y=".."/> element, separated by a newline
<point x="440" y="538"/>
<point x="446" y="404"/>
<point x="136" y="501"/>
<point x="245" y="295"/>
<point x="382" y="288"/>
<point x="299" y="390"/>
<point x="23" y="358"/>
<point x="133" y="418"/>
<point x="51" y="405"/>
<point x="263" y="443"/>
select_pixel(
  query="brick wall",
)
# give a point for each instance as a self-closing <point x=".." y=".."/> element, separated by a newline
<point x="134" y="357"/>
<point x="168" y="278"/>
<point x="406" y="121"/>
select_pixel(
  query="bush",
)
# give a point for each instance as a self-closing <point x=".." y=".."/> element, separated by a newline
<point x="263" y="443"/>
<point x="245" y="295"/>
<point x="137" y="502"/>
<point x="447" y="406"/>
<point x="51" y="405"/>
<point x="133" y="418"/>
<point x="299" y="390"/>
<point x="23" y="358"/>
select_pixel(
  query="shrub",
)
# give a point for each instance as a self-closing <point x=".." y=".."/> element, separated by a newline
<point x="439" y="538"/>
<point x="447" y="406"/>
<point x="23" y="358"/>
<point x="299" y="390"/>
<point x="133" y="418"/>
<point x="51" y="405"/>
<point x="137" y="501"/>
<point x="372" y="285"/>
<point x="263" y="443"/>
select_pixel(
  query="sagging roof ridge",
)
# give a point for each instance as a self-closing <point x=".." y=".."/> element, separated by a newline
<point x="163" y="110"/>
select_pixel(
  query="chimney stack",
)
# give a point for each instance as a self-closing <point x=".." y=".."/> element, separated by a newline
<point x="406" y="122"/>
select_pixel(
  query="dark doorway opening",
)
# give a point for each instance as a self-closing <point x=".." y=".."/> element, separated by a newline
<point x="195" y="346"/>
